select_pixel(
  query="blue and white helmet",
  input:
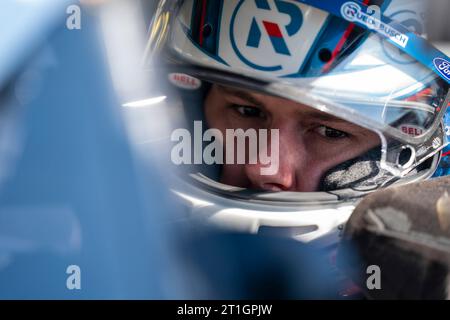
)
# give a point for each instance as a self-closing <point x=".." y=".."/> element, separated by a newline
<point x="366" y="62"/>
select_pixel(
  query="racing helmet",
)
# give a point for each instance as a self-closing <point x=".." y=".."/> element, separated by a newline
<point x="366" y="63"/>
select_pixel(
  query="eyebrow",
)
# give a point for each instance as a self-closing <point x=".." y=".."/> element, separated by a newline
<point x="241" y="94"/>
<point x="325" y="117"/>
<point x="247" y="96"/>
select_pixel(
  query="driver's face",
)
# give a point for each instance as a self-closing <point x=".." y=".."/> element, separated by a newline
<point x="310" y="142"/>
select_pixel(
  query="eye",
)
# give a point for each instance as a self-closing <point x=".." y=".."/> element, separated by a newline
<point x="331" y="133"/>
<point x="249" y="112"/>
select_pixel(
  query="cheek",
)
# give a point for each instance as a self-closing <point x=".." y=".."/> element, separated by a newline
<point x="212" y="115"/>
<point x="324" y="158"/>
<point x="233" y="174"/>
<point x="334" y="156"/>
<point x="220" y="117"/>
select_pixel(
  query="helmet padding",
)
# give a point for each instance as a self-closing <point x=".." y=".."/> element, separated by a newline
<point x="363" y="171"/>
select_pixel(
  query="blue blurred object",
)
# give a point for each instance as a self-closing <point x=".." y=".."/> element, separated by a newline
<point x="24" y="26"/>
<point x="74" y="194"/>
<point x="245" y="266"/>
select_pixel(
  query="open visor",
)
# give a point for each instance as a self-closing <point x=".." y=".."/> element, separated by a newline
<point x="345" y="67"/>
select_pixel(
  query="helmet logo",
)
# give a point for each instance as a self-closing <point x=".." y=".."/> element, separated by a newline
<point x="443" y="66"/>
<point x="272" y="29"/>
<point x="412" y="130"/>
<point x="353" y="12"/>
<point x="268" y="35"/>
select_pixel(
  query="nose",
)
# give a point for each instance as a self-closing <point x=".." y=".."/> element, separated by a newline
<point x="296" y="170"/>
<point x="283" y="160"/>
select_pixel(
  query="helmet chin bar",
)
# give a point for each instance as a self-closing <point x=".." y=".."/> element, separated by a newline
<point x="307" y="217"/>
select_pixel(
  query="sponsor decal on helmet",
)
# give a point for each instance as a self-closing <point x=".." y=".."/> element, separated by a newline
<point x="443" y="67"/>
<point x="352" y="12"/>
<point x="412" y="20"/>
<point x="412" y="130"/>
<point x="184" y="81"/>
